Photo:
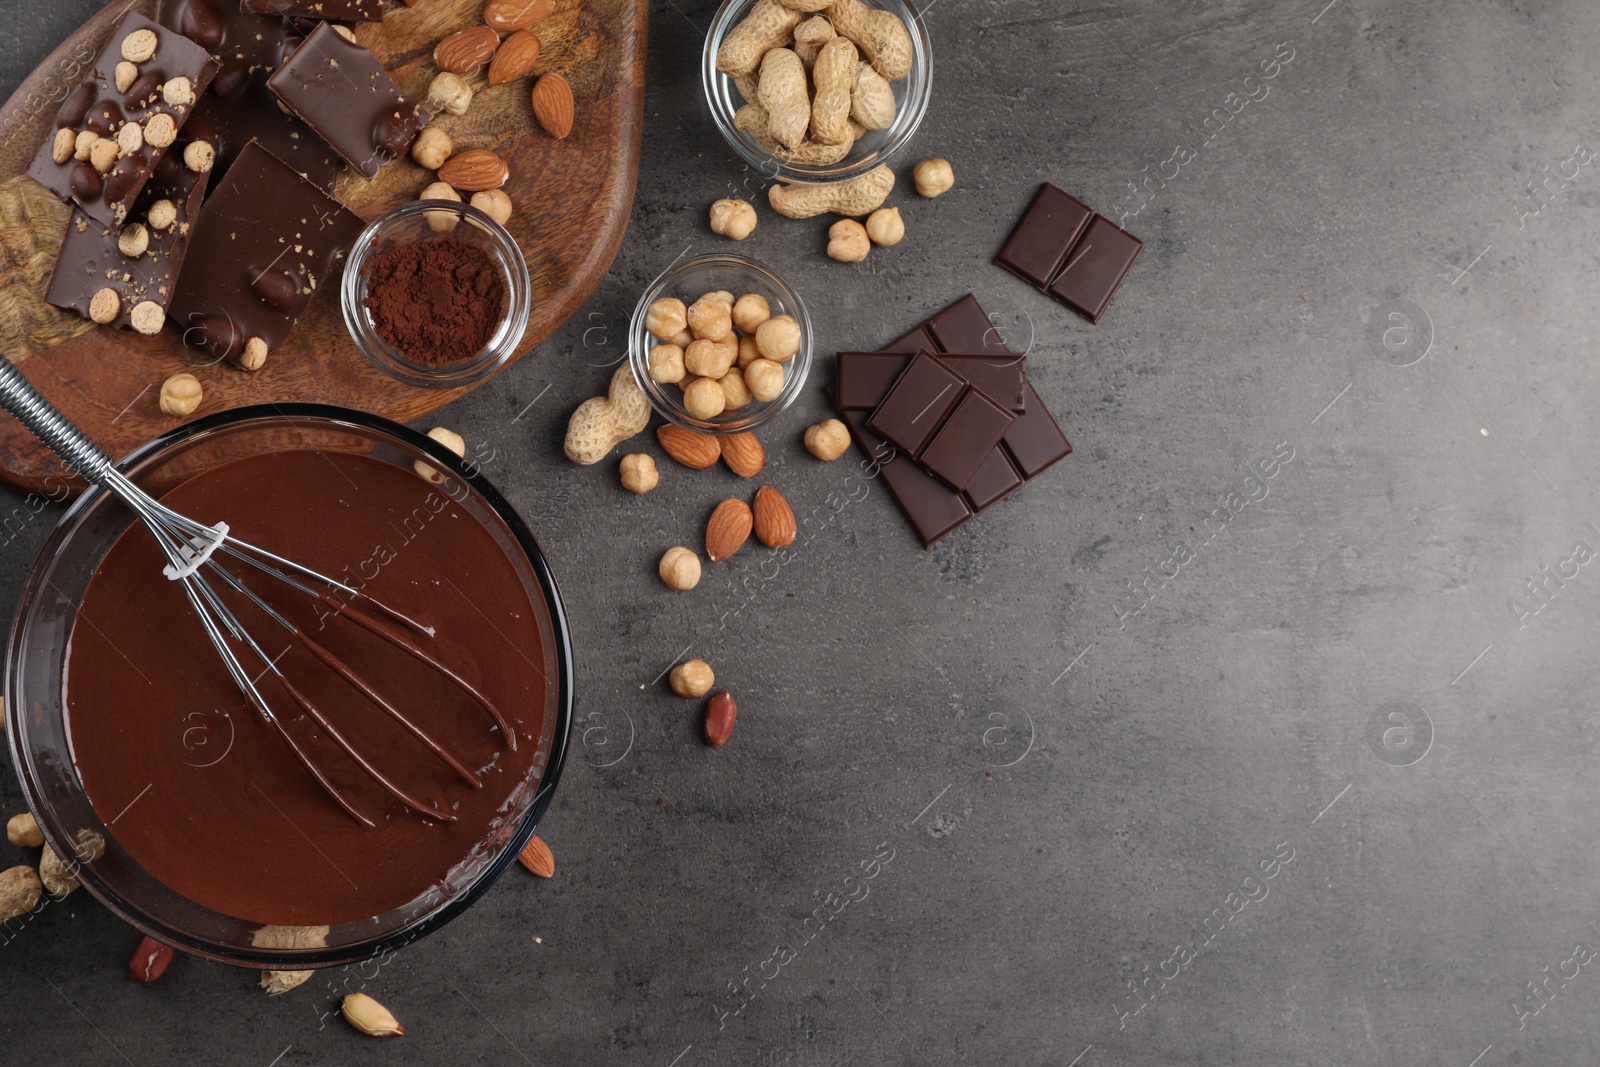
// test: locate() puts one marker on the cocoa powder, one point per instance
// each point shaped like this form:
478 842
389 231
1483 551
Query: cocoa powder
438 300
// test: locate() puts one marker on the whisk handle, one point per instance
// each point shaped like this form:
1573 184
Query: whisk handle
20 398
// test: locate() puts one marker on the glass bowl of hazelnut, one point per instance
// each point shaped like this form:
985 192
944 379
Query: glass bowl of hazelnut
720 343
887 88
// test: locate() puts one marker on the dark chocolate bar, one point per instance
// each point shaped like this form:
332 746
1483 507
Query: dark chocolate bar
126 277
126 111
333 10
917 403
266 240
965 440
1096 267
240 108
918 340
339 89
1032 442
1039 244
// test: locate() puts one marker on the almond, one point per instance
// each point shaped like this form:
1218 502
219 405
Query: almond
720 711
743 454
475 170
774 518
727 529
696 450
466 50
538 858
517 55
553 105
508 15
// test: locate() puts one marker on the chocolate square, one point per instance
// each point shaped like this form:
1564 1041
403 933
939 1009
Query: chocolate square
143 119
964 327
332 10
924 393
969 434
1095 268
865 378
1039 244
91 258
1034 440
266 240
339 89
933 509
994 480
240 108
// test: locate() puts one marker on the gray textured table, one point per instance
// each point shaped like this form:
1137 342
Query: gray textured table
1308 790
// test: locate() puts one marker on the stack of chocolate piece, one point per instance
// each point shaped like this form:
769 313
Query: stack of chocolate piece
199 152
949 415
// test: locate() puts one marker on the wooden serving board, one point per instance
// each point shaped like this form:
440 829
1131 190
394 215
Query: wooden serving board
572 199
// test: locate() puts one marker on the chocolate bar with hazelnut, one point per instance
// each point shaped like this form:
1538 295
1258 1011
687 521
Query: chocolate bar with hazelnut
266 240
125 276
122 117
332 10
339 89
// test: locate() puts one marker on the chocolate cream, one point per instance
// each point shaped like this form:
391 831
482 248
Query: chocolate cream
207 796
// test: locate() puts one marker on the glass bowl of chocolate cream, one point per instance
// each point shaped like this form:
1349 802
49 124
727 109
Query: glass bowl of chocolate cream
177 805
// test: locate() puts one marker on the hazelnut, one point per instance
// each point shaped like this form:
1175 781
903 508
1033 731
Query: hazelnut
827 440
886 227
125 75
765 379
104 306
704 398
133 240
848 241
449 92
130 138
639 474
103 154
933 176
198 156
680 568
778 338
160 130
750 311
161 214
147 317
721 296
666 364
733 218
180 395
710 319
692 678
23 831
139 46
734 389
686 381
494 203
709 359
748 352
61 148
84 141
254 354
683 338
666 318
441 221
431 148
178 92
346 32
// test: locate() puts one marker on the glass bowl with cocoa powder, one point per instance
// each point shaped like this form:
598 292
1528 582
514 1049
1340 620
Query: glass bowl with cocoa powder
437 294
